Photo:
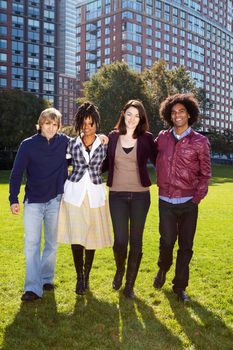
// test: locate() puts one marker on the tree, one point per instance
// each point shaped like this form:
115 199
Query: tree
162 82
181 81
158 81
205 104
221 142
113 85
69 130
19 112
110 88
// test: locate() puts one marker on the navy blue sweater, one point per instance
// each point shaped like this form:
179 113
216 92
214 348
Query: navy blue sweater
45 165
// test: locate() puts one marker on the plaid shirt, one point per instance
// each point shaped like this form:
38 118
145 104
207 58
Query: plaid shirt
79 163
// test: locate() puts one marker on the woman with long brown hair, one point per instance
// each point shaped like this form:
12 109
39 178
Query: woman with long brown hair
130 146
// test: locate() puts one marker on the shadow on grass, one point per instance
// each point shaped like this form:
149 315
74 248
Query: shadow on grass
141 329
204 329
93 324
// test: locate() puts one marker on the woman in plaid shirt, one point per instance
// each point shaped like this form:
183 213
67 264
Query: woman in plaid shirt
84 220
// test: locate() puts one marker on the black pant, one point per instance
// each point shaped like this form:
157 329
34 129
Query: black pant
177 220
128 212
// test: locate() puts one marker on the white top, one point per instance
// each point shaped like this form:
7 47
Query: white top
74 192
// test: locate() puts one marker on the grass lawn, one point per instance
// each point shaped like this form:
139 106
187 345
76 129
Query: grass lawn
104 319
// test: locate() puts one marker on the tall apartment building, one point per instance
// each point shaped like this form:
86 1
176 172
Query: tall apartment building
67 64
196 34
29 47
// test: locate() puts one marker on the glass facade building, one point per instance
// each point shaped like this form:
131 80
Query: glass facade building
196 34
29 47
67 64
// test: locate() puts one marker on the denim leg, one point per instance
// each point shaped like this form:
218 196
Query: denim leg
48 260
186 231
33 218
139 206
168 220
119 209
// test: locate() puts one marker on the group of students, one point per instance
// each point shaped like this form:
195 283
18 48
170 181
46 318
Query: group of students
74 207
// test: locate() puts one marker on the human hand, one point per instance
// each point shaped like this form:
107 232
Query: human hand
15 208
103 139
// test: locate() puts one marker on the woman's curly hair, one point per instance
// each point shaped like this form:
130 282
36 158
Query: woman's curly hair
188 100
86 110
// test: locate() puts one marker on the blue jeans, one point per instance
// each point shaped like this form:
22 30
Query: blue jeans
40 268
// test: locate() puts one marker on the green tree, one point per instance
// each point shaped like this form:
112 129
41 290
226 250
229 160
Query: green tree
69 130
221 142
110 88
205 104
181 81
162 82
19 112
158 82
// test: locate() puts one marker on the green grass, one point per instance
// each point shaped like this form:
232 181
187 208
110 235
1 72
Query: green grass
104 319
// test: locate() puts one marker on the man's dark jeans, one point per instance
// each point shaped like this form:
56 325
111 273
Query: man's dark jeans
128 211
177 220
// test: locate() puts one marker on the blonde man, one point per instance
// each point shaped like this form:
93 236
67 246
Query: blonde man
42 157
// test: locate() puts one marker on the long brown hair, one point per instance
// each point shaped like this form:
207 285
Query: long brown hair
143 124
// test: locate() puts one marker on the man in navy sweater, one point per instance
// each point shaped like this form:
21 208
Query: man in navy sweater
42 156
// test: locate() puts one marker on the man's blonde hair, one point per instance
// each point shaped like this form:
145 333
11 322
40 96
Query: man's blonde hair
49 114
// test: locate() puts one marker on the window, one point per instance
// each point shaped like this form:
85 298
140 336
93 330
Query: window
3 70
17 84
3 44
3 17
33 36
3 82
3 57
3 4
3 30
17 47
138 49
17 73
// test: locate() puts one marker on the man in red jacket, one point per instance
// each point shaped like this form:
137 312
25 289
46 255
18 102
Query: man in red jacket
183 172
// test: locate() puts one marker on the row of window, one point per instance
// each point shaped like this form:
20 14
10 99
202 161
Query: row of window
32 74
165 11
19 4
31 85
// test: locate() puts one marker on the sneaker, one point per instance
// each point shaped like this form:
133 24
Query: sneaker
30 296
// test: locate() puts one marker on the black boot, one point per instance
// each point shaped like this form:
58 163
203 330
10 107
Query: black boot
120 259
159 279
134 261
77 251
89 256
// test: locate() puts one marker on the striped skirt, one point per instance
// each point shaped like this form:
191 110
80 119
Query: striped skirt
90 227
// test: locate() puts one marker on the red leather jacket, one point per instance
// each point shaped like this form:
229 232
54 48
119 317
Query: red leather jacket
183 168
